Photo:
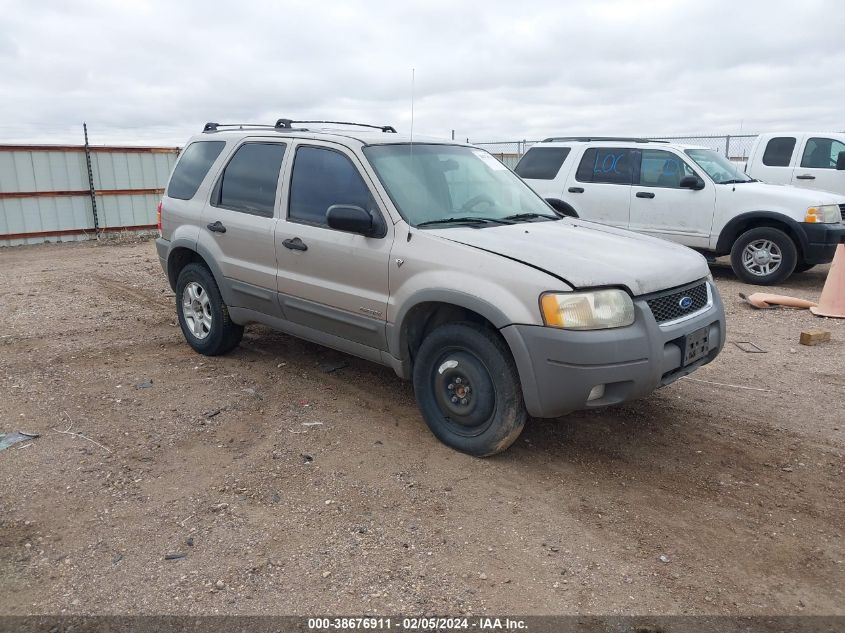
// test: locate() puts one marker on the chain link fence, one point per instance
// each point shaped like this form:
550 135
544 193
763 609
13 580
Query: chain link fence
734 146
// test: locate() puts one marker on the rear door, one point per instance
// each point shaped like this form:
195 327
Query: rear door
600 188
817 167
659 206
239 223
778 160
328 280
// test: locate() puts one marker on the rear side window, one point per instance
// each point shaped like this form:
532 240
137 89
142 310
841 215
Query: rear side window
192 168
779 151
542 163
322 178
821 153
614 165
249 182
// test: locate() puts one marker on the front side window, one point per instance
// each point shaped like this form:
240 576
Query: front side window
779 151
542 163
613 165
192 167
323 178
249 182
719 168
821 153
659 168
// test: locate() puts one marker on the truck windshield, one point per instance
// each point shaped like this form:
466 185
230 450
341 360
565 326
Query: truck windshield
719 168
438 185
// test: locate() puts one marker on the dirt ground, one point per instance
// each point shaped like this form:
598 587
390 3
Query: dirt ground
296 480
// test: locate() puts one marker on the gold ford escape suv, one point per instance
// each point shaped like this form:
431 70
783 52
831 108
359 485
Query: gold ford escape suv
433 258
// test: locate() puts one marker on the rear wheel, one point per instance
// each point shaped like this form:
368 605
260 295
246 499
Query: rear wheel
203 316
764 256
468 389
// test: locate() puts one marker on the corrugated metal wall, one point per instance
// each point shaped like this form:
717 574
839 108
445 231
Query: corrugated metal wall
45 194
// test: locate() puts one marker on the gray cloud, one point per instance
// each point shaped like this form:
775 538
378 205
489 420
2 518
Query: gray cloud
154 71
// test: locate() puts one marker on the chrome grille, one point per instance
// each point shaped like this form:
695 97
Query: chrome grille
668 307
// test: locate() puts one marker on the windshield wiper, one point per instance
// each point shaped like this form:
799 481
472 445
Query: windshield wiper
469 219
529 216
735 181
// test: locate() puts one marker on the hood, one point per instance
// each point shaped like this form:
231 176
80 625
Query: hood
787 194
585 254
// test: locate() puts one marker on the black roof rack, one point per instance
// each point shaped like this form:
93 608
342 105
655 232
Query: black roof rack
287 125
590 139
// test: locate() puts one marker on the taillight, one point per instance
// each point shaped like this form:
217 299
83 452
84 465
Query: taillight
158 218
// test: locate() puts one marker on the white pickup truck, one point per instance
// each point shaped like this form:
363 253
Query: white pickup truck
690 195
811 160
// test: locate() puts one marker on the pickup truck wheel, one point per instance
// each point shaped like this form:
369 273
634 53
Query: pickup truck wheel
763 256
203 316
468 389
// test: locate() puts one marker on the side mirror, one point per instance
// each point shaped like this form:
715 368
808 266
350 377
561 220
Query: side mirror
840 161
691 182
351 219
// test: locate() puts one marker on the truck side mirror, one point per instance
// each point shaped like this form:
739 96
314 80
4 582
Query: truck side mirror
692 182
350 219
840 161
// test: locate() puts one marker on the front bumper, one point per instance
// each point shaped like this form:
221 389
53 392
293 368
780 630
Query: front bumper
559 368
821 241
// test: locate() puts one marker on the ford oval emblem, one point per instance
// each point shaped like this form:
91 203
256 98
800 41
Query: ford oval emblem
685 303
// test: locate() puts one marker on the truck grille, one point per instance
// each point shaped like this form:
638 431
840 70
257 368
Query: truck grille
668 307
842 211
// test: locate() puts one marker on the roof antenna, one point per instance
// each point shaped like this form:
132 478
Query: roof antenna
413 70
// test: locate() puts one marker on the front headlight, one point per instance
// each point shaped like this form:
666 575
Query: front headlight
596 310
824 213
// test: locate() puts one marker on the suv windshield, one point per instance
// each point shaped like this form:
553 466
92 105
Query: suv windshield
442 184
719 168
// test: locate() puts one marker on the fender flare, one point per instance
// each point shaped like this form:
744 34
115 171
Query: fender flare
196 247
738 225
397 341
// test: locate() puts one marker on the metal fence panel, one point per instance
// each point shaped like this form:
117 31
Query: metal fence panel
45 193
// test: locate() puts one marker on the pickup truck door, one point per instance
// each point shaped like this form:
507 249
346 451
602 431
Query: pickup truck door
659 206
774 159
330 281
600 188
816 168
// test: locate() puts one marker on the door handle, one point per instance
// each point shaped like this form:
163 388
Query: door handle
576 190
295 244
805 177
645 194
217 227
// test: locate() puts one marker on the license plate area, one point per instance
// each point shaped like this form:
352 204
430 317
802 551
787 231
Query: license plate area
696 345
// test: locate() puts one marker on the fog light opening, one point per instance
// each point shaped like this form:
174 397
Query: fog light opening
596 393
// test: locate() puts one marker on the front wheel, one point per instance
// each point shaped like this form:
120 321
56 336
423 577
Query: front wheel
468 389
764 256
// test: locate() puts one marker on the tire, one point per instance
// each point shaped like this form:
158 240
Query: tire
763 256
203 316
484 419
803 267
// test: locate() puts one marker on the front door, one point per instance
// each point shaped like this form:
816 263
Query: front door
659 206
328 280
817 168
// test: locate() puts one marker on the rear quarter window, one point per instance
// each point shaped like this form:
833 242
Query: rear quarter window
542 163
779 151
192 167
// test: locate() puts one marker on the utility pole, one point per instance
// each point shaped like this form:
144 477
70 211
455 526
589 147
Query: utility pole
91 189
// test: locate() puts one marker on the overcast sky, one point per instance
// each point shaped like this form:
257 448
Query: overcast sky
148 72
